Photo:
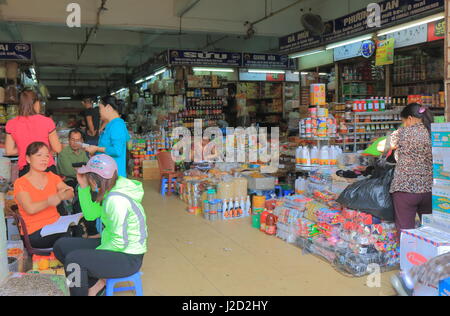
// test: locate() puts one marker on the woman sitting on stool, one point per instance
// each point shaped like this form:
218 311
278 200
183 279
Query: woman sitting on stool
120 251
38 194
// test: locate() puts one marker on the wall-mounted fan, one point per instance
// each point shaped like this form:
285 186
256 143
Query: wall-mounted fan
313 23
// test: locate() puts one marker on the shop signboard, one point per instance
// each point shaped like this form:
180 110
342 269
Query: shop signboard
248 76
16 51
347 51
266 61
436 30
392 12
202 58
411 36
385 52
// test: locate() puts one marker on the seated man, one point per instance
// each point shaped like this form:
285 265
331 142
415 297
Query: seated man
70 155
74 154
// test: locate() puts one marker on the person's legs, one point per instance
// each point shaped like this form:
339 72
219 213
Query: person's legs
406 206
64 246
98 264
39 242
426 204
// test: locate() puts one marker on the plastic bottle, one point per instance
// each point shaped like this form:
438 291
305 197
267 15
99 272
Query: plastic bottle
324 156
225 209
242 207
237 208
271 226
315 156
332 154
300 186
248 206
299 156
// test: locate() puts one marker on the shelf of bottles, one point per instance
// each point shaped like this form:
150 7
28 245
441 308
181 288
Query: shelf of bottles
362 80
361 124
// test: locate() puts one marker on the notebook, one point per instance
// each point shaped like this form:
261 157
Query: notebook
62 225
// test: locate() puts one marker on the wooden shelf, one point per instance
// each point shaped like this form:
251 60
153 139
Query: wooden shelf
429 81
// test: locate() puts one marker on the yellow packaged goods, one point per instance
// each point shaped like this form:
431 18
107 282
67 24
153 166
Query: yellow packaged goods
318 94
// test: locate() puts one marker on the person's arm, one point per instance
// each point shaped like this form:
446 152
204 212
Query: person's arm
32 208
118 141
395 138
102 126
55 144
90 126
91 210
116 210
10 146
65 192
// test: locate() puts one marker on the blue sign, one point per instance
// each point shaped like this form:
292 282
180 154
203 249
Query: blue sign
200 58
392 12
16 51
368 49
266 61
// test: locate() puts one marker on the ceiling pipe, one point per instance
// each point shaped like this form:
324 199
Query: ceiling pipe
92 30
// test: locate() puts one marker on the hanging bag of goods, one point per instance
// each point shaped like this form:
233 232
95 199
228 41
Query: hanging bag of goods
12 70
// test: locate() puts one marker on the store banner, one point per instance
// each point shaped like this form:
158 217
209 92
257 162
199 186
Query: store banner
266 61
16 51
412 36
201 58
348 51
392 12
385 52
436 30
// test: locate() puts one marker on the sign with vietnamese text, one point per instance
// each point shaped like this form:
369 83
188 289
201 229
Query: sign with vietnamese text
436 30
16 51
385 52
200 58
266 61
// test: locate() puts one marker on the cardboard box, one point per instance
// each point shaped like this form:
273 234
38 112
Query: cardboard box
418 246
151 164
441 202
437 223
440 134
151 174
318 94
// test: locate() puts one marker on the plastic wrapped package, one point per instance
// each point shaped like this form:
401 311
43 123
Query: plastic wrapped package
321 247
286 232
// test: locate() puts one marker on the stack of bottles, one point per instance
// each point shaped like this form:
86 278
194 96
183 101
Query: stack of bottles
320 125
221 210
374 104
326 156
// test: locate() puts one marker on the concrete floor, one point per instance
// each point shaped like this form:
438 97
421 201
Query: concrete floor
189 256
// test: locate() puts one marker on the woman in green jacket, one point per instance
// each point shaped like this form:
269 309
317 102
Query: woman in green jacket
120 251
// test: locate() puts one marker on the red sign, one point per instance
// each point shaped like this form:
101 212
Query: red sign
275 77
436 30
416 259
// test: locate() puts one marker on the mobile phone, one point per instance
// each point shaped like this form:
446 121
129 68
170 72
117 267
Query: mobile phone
78 165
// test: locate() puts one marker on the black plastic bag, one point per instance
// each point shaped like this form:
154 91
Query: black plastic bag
372 195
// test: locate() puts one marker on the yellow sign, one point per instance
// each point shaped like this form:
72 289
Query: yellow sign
385 52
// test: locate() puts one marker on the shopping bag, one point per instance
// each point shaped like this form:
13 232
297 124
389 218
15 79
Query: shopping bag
372 195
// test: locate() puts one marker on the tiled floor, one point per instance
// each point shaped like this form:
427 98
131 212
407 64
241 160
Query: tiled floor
189 256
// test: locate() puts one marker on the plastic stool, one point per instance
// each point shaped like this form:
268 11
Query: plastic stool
287 192
165 186
136 279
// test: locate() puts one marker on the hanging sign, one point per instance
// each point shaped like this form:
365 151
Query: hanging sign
392 12
368 49
16 51
411 36
385 52
348 51
200 58
436 30
266 61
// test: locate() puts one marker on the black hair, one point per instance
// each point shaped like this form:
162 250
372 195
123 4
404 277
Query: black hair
88 100
76 131
33 148
421 112
112 101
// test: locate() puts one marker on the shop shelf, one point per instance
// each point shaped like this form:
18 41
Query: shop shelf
373 123
428 81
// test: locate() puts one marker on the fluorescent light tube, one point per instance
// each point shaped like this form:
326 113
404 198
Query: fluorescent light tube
160 72
352 41
65 98
149 77
402 27
307 53
262 71
213 69
139 81
323 74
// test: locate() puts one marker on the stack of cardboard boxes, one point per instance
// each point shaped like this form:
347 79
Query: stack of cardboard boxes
150 170
418 246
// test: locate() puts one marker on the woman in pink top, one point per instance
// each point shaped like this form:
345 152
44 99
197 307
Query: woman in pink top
30 127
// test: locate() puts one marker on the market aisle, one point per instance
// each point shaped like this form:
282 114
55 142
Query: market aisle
189 256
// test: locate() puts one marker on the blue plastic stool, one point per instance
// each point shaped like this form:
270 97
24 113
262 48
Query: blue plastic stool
444 287
164 186
136 279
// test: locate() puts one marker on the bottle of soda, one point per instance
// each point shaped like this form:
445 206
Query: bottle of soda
271 226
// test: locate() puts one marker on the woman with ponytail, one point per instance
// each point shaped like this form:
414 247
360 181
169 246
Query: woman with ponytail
413 181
